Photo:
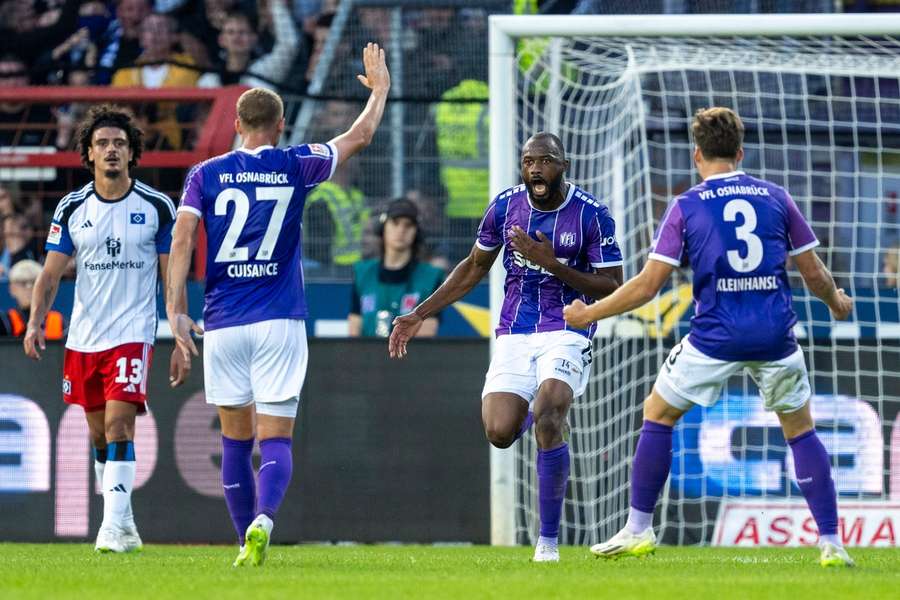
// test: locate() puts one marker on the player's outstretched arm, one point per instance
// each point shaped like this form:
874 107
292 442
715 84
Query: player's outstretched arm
460 282
42 296
818 279
635 292
377 79
176 296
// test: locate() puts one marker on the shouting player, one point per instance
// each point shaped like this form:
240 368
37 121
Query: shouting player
559 244
736 233
254 349
119 230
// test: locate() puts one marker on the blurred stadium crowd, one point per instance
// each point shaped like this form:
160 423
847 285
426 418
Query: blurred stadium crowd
431 149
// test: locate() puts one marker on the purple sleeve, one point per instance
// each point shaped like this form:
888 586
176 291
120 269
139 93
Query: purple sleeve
602 248
668 243
489 238
317 163
192 195
800 235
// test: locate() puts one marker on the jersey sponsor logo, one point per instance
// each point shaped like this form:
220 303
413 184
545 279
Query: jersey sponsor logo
608 241
746 284
116 264
67 386
319 149
367 303
87 224
567 239
523 262
138 218
113 246
55 234
252 270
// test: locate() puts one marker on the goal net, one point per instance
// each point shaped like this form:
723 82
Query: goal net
820 102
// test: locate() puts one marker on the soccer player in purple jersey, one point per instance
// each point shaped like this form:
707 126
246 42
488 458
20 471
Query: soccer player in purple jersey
736 233
559 244
255 352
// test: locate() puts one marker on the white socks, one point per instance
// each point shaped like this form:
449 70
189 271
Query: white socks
638 521
128 520
118 480
548 541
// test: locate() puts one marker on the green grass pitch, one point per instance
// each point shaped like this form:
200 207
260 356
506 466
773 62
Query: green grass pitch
312 571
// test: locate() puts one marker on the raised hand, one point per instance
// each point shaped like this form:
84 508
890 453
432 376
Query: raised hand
405 328
377 77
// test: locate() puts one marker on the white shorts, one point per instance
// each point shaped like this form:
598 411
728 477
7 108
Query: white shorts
523 361
690 377
263 362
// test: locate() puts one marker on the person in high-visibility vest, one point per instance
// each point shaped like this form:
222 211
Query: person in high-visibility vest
14 321
462 140
349 213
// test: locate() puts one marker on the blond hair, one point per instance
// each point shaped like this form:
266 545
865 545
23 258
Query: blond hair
718 132
259 108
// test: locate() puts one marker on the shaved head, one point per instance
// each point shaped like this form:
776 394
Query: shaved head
549 141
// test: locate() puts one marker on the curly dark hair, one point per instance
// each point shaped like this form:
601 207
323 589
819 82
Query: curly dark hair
109 115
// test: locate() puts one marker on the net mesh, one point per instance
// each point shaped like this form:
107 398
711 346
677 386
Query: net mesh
822 118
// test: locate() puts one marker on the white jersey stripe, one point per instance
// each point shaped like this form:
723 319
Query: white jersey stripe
68 199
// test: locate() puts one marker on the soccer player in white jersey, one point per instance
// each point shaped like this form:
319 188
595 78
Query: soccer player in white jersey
254 350
119 230
736 232
558 244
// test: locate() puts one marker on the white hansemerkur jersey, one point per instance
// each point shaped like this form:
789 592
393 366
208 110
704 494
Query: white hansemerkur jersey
116 243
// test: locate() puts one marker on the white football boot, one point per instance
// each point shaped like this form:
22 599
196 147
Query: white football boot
544 552
109 539
626 543
834 556
131 539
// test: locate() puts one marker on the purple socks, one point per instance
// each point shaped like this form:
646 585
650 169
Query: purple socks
813 470
274 474
526 425
553 474
238 483
650 468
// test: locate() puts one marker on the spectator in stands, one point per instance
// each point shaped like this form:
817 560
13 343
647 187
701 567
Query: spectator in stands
18 243
397 281
160 65
121 45
239 38
336 211
7 206
27 35
14 320
462 143
21 124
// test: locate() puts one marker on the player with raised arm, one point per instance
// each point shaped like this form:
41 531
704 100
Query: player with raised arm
254 350
558 244
736 232
119 230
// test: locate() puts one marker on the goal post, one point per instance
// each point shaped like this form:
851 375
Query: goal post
820 98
